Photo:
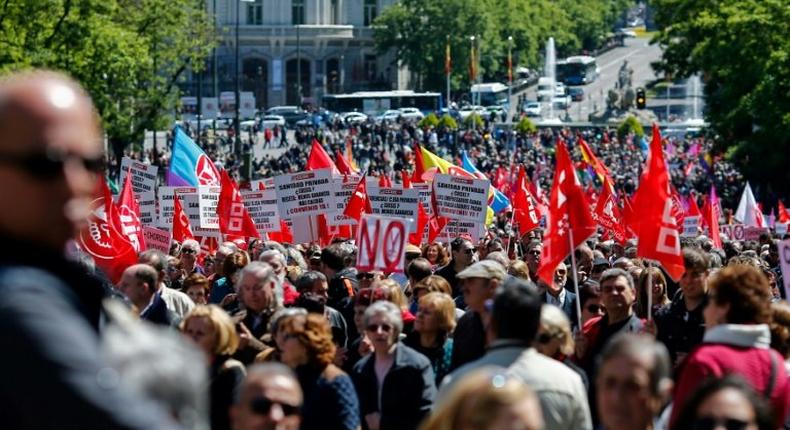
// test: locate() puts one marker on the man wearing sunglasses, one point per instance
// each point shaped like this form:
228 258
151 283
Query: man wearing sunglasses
270 398
463 253
50 308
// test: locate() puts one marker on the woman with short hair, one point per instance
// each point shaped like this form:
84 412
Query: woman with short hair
728 402
432 329
196 286
395 383
212 330
555 338
330 401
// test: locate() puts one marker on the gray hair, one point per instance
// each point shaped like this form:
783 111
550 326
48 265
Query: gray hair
500 257
296 256
390 312
554 319
283 313
308 279
265 274
615 273
272 254
154 258
191 244
640 345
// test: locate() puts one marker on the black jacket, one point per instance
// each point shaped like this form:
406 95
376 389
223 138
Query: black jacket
680 330
568 306
469 340
408 392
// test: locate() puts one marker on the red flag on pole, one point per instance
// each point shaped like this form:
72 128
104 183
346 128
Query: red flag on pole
129 214
319 159
385 181
284 235
526 213
656 227
607 213
711 218
234 219
343 165
419 167
359 202
569 214
693 209
783 215
404 178
181 228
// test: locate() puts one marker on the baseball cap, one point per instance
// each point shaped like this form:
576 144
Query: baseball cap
487 269
600 262
411 250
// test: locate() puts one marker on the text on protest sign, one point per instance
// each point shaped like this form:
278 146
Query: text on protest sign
305 193
156 239
166 206
147 203
262 206
208 199
455 228
425 190
690 225
461 198
143 175
342 189
382 243
394 202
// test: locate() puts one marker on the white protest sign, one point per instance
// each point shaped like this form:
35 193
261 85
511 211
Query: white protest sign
266 182
395 202
425 190
382 243
781 229
262 206
192 209
166 207
143 175
690 224
342 189
156 239
305 229
455 228
461 198
147 203
208 199
784 262
305 193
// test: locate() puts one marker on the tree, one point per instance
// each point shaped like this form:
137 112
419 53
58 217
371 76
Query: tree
628 126
741 50
526 127
128 54
430 120
449 122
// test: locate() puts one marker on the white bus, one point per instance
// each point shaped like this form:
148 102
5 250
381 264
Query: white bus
491 94
577 70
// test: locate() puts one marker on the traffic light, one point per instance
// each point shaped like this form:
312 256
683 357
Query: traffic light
641 99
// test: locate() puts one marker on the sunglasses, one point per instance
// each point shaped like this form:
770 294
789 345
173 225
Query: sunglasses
386 328
711 423
594 309
188 251
468 251
263 405
48 165
365 275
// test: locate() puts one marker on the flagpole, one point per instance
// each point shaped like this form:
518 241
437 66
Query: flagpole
447 71
575 279
514 234
649 294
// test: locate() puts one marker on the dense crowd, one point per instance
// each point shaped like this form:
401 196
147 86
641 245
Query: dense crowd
264 334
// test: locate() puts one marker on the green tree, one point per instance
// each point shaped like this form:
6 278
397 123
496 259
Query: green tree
742 51
526 127
628 126
430 120
128 54
449 122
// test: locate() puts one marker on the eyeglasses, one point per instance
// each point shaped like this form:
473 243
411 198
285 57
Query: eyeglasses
594 309
48 165
468 251
365 275
386 328
263 405
188 251
711 423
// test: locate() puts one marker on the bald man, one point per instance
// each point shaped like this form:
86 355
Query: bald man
53 373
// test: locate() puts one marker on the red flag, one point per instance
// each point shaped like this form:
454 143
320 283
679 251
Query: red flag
526 213
319 159
693 209
325 232
234 219
359 202
711 218
385 181
783 215
656 227
129 214
342 164
422 220
537 192
569 213
181 228
628 217
404 177
607 213
591 160
419 167
103 240
284 235
435 226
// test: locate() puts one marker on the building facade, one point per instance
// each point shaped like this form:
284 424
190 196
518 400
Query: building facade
328 42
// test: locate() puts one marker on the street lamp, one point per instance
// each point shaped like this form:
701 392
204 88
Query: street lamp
473 66
237 125
298 64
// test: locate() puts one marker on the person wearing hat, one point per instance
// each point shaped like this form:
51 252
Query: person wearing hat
599 265
402 278
478 284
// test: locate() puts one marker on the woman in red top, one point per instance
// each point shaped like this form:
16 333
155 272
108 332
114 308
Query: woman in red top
737 341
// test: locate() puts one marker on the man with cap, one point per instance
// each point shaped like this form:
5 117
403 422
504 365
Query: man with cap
599 265
478 284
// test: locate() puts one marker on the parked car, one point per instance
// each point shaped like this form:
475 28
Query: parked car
495 112
354 117
467 110
270 121
561 102
410 113
546 88
291 114
559 89
532 109
576 93
391 115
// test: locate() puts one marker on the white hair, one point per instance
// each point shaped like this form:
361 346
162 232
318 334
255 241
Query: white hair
191 244
265 274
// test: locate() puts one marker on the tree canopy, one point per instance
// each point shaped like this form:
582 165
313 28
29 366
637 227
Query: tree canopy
129 54
742 51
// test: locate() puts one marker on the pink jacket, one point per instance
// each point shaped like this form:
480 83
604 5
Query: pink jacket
740 349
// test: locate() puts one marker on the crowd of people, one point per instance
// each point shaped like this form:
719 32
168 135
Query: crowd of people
263 334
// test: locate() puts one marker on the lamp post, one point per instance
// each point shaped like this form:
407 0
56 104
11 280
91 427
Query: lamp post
237 125
509 73
473 64
299 63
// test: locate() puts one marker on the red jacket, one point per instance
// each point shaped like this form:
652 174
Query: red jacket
728 349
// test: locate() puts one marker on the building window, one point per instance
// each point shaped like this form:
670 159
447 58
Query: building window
297 12
255 13
370 67
371 11
333 14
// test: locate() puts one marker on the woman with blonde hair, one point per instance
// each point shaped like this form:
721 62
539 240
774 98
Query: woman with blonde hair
432 329
330 401
659 291
436 254
487 399
212 330
555 338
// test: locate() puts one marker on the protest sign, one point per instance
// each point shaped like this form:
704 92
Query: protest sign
425 190
143 175
461 198
342 189
305 193
395 202
784 261
208 198
753 233
147 202
166 204
156 239
690 225
455 228
262 207
382 243
262 184
781 229
305 229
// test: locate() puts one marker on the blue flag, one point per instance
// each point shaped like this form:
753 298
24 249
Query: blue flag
189 165
499 201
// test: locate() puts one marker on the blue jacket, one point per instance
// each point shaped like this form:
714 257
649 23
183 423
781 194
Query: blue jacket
408 392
